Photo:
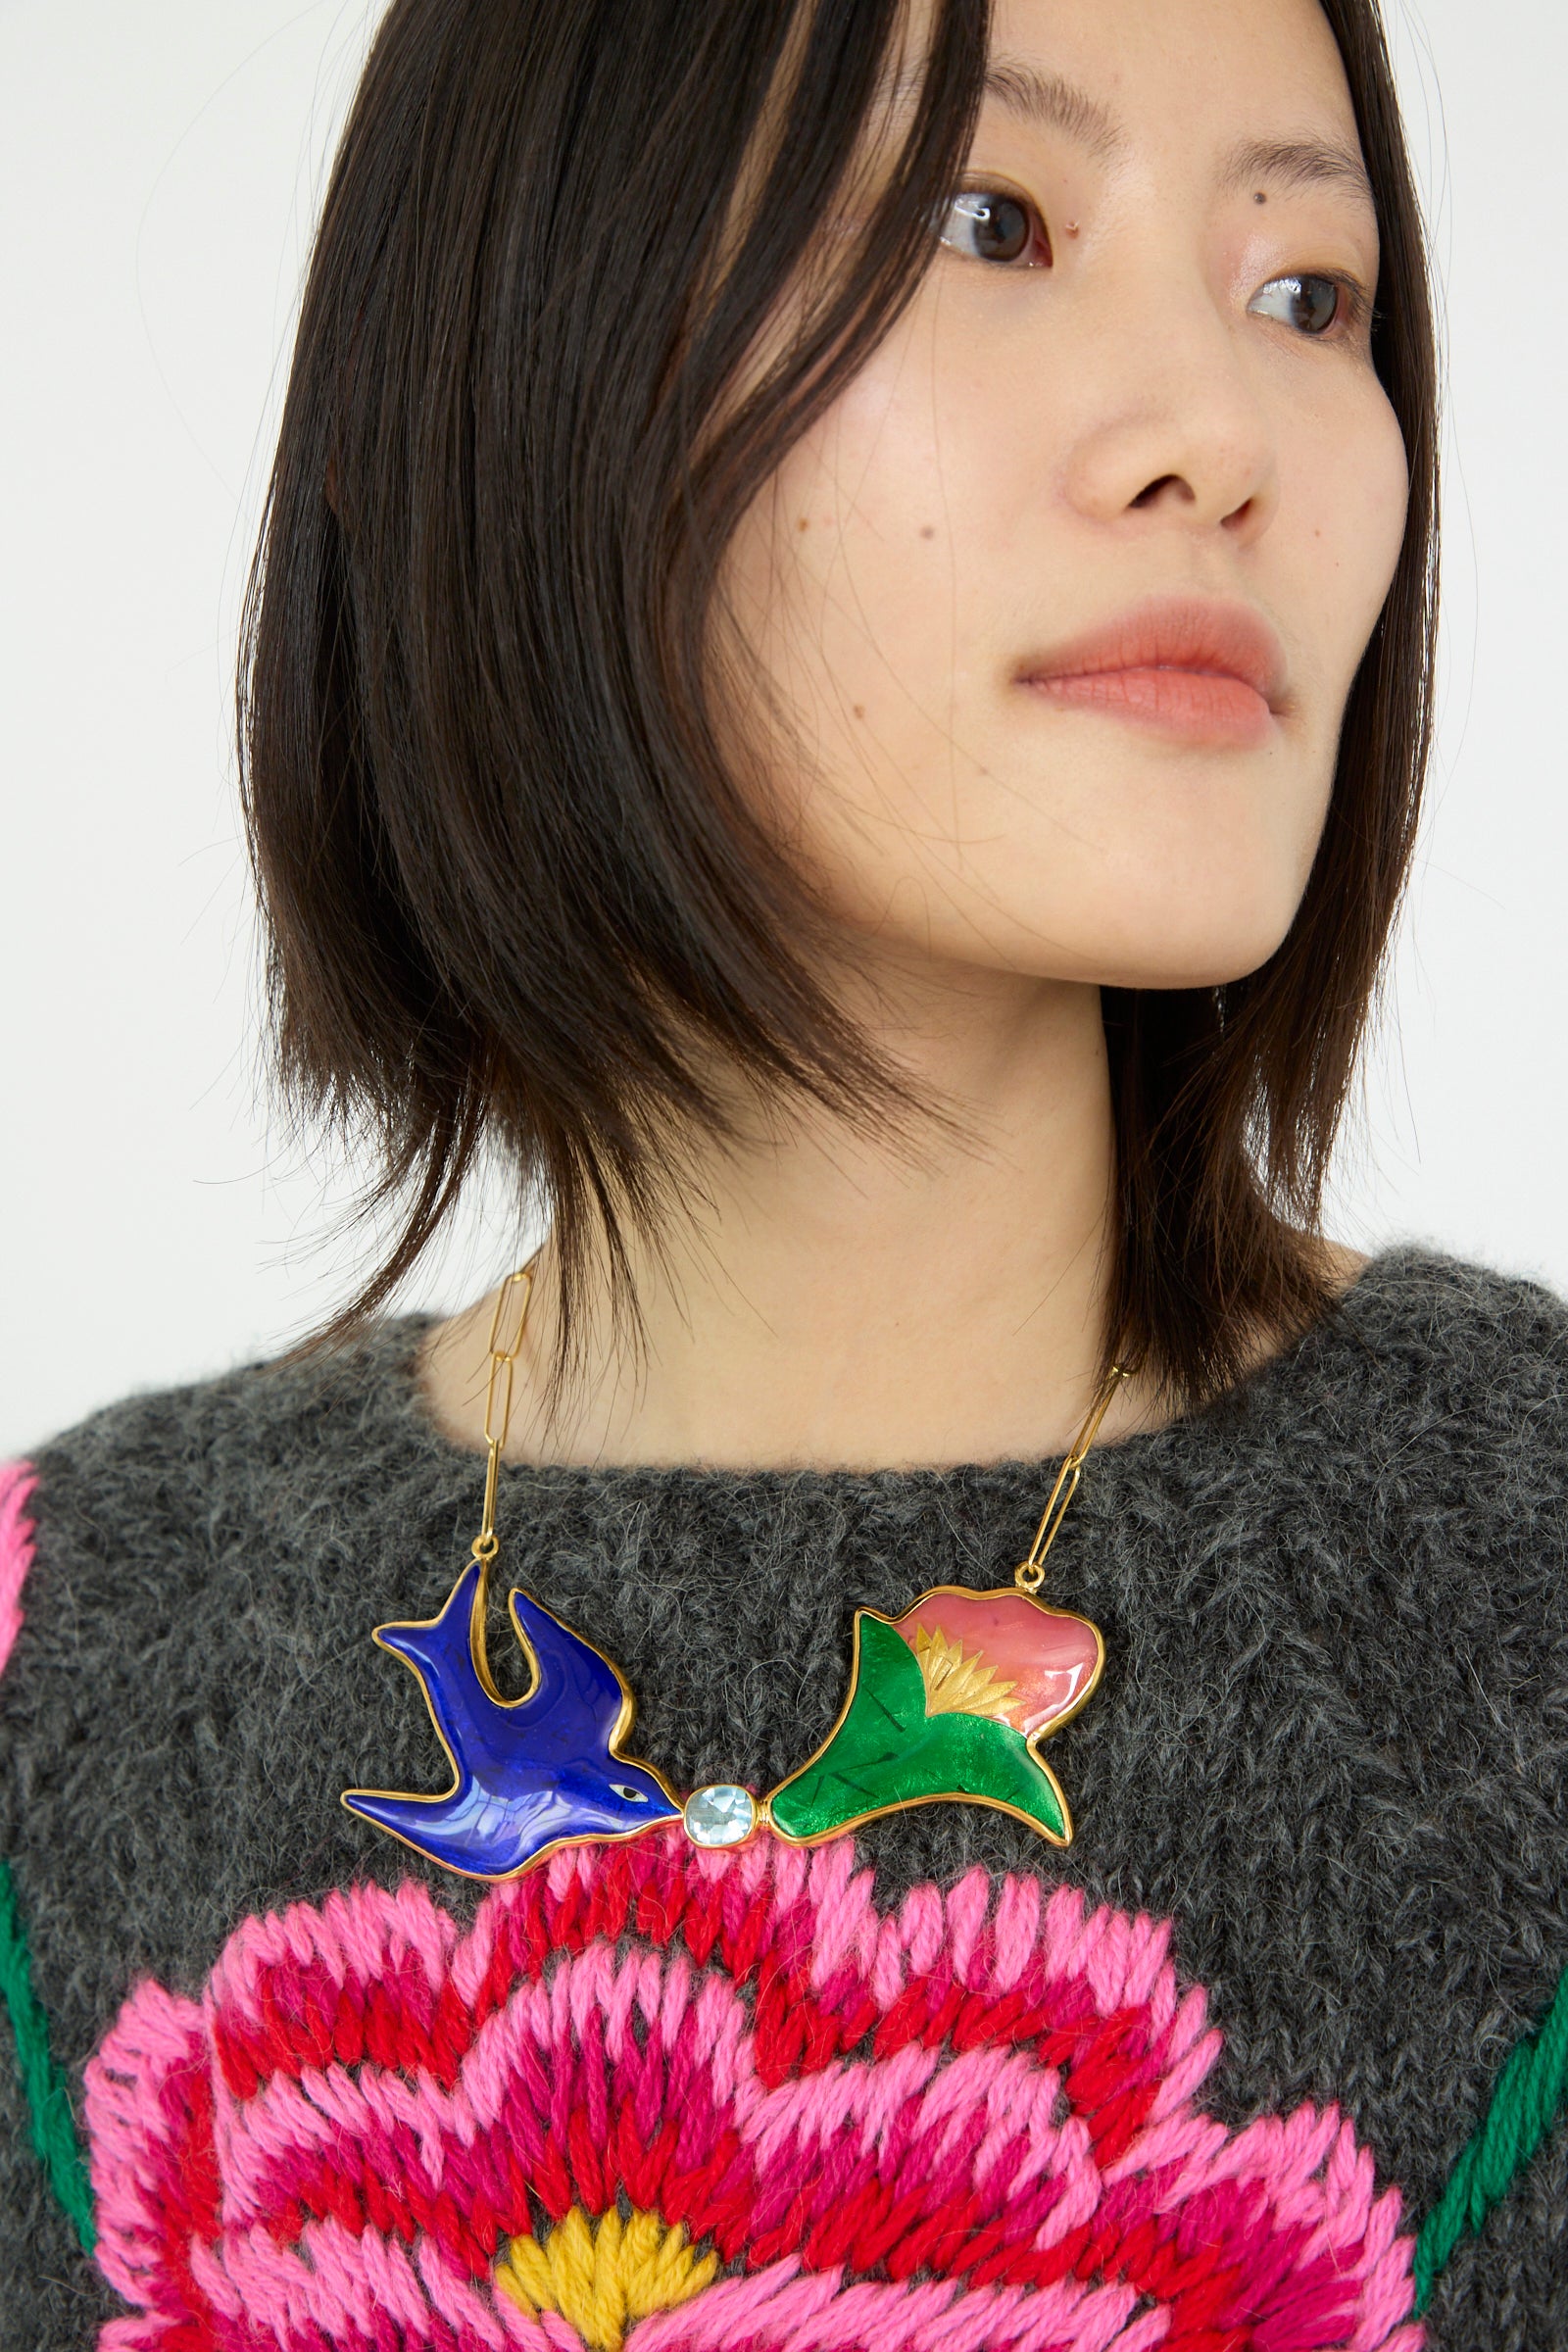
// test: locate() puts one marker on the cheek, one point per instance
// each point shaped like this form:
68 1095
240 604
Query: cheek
1351 490
874 511
859 581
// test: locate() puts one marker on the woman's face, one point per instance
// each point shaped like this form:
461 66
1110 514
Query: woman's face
1129 428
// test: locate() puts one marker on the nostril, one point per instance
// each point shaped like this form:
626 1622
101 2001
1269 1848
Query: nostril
1152 490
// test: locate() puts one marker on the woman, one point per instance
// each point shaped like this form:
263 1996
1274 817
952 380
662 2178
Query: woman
839 672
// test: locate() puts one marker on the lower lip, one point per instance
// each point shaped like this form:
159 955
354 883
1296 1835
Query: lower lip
1204 706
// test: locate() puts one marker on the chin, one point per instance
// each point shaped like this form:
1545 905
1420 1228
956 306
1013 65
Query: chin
1210 905
1165 937
1149 883
1193 955
1184 913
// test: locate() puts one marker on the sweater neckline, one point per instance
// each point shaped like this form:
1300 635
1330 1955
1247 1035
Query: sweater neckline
398 1370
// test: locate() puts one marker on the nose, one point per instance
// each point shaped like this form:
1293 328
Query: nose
1173 429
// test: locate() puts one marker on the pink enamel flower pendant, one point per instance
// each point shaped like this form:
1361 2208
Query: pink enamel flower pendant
949 1702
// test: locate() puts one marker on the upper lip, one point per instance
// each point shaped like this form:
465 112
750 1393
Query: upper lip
1174 632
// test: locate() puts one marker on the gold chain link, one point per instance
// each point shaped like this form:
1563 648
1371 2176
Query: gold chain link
1029 1575
511 1317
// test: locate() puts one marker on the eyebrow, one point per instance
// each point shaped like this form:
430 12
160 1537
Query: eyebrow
1299 163
1048 101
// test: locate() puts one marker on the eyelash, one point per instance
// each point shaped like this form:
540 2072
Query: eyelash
1353 315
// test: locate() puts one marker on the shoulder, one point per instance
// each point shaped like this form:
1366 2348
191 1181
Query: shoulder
281 1401
1413 1457
192 1578
143 1466
1435 1397
1453 1314
148 1524
178 1573
1432 1350
1397 1477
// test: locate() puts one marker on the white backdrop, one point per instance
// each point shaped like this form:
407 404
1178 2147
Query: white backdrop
159 160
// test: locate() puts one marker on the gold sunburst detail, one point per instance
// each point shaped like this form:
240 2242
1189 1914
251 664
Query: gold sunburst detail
603 2275
957 1685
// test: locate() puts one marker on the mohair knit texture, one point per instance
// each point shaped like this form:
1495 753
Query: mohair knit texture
1330 1744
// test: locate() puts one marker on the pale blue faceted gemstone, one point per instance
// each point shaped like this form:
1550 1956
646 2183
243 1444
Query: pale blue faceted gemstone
722 1815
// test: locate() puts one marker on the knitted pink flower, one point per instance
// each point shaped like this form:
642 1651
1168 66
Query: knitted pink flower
715 2102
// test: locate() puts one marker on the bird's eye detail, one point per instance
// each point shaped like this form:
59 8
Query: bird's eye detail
1312 303
633 1796
988 225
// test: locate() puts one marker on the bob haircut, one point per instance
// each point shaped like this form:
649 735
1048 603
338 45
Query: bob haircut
516 899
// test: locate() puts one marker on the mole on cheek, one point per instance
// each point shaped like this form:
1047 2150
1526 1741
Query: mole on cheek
803 524
928 530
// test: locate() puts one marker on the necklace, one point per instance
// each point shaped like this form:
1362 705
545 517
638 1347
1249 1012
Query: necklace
946 1703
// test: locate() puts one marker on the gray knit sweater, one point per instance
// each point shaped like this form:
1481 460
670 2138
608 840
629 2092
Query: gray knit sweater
1321 1864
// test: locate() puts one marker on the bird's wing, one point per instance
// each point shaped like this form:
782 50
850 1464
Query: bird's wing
580 1701
440 1650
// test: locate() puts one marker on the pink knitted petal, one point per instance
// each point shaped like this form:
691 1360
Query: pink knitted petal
753 2312
1144 2333
465 2308
845 1926
147 2108
305 1958
18 1480
1387 2296
781 2309
376 2123
360 2291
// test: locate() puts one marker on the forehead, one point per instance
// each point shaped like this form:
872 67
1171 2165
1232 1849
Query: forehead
1237 88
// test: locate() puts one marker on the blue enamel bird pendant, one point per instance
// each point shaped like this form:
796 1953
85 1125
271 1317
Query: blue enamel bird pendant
531 1773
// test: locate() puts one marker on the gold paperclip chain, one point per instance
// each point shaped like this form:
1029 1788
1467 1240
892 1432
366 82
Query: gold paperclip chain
1029 1575
512 1312
511 1318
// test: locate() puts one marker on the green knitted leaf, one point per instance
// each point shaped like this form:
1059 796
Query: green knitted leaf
53 2126
887 1751
1523 2108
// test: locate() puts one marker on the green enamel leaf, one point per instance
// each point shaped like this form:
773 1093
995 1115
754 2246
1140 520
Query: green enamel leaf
888 1751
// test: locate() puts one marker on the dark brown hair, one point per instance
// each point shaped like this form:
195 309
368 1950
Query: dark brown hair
516 897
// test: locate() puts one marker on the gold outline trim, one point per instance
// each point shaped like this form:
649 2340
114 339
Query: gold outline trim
477 1651
948 1796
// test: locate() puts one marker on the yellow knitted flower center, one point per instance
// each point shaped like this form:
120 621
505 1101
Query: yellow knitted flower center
603 2275
956 1685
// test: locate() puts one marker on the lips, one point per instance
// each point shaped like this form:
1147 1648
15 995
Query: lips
1196 667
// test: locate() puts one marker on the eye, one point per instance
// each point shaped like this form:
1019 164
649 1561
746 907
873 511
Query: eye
991 225
633 1796
1313 303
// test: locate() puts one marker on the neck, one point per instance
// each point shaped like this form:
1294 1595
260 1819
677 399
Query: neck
840 1301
